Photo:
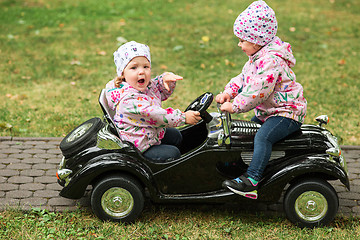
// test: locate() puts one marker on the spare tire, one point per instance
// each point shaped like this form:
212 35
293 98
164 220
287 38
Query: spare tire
83 136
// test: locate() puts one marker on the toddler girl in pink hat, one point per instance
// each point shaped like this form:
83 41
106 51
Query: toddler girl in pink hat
267 84
137 100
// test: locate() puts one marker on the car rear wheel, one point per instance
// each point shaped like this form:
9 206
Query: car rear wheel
311 203
117 198
81 137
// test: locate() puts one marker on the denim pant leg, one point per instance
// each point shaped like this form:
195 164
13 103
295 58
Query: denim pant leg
167 149
272 130
172 137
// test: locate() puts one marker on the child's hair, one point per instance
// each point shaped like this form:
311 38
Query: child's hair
257 47
118 80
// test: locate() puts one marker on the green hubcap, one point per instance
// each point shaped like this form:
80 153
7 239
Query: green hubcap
117 202
311 206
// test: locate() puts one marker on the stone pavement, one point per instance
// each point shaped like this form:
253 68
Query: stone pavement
28 167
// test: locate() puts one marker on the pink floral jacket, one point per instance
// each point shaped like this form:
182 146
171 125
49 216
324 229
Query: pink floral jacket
139 115
267 84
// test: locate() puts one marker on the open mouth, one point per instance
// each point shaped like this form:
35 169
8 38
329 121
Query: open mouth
141 81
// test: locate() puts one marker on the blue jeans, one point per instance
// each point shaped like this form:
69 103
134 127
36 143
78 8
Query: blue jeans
271 131
167 149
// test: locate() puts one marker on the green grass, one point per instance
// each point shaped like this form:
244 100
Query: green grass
167 222
57 55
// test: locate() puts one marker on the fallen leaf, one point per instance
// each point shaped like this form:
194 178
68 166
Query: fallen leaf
228 63
122 22
163 67
292 29
202 66
61 25
16 96
101 53
205 38
342 62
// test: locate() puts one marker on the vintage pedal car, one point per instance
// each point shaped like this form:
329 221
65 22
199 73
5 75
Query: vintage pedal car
215 149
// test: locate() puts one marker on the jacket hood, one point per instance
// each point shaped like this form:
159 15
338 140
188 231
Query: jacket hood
278 48
114 94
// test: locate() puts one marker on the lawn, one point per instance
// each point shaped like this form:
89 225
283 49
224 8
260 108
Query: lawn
56 56
168 222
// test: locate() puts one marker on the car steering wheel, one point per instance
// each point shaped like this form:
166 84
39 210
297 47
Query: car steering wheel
201 104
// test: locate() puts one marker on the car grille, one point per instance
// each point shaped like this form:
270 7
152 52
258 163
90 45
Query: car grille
244 128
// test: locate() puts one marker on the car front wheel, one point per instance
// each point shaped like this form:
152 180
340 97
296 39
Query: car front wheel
117 198
311 203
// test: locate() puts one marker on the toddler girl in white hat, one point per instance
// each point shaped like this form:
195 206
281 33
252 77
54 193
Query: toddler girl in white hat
137 100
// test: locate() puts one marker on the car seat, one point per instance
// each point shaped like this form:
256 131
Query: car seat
108 112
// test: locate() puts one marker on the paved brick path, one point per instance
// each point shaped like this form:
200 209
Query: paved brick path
28 167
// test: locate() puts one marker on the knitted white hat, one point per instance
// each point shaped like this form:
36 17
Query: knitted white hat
257 24
127 52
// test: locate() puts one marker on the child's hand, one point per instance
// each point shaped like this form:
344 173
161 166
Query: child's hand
227 107
192 117
170 77
222 97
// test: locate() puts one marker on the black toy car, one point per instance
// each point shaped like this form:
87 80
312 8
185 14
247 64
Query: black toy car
215 149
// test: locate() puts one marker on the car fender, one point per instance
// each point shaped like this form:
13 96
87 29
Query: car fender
106 164
312 165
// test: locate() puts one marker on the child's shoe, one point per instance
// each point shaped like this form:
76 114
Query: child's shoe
243 185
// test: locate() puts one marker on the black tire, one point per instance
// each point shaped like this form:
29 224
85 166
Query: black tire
117 198
311 203
81 137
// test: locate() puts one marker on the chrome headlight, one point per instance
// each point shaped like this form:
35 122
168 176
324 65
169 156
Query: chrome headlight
62 173
335 151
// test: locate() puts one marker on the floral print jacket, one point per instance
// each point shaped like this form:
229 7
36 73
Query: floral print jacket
267 84
139 115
